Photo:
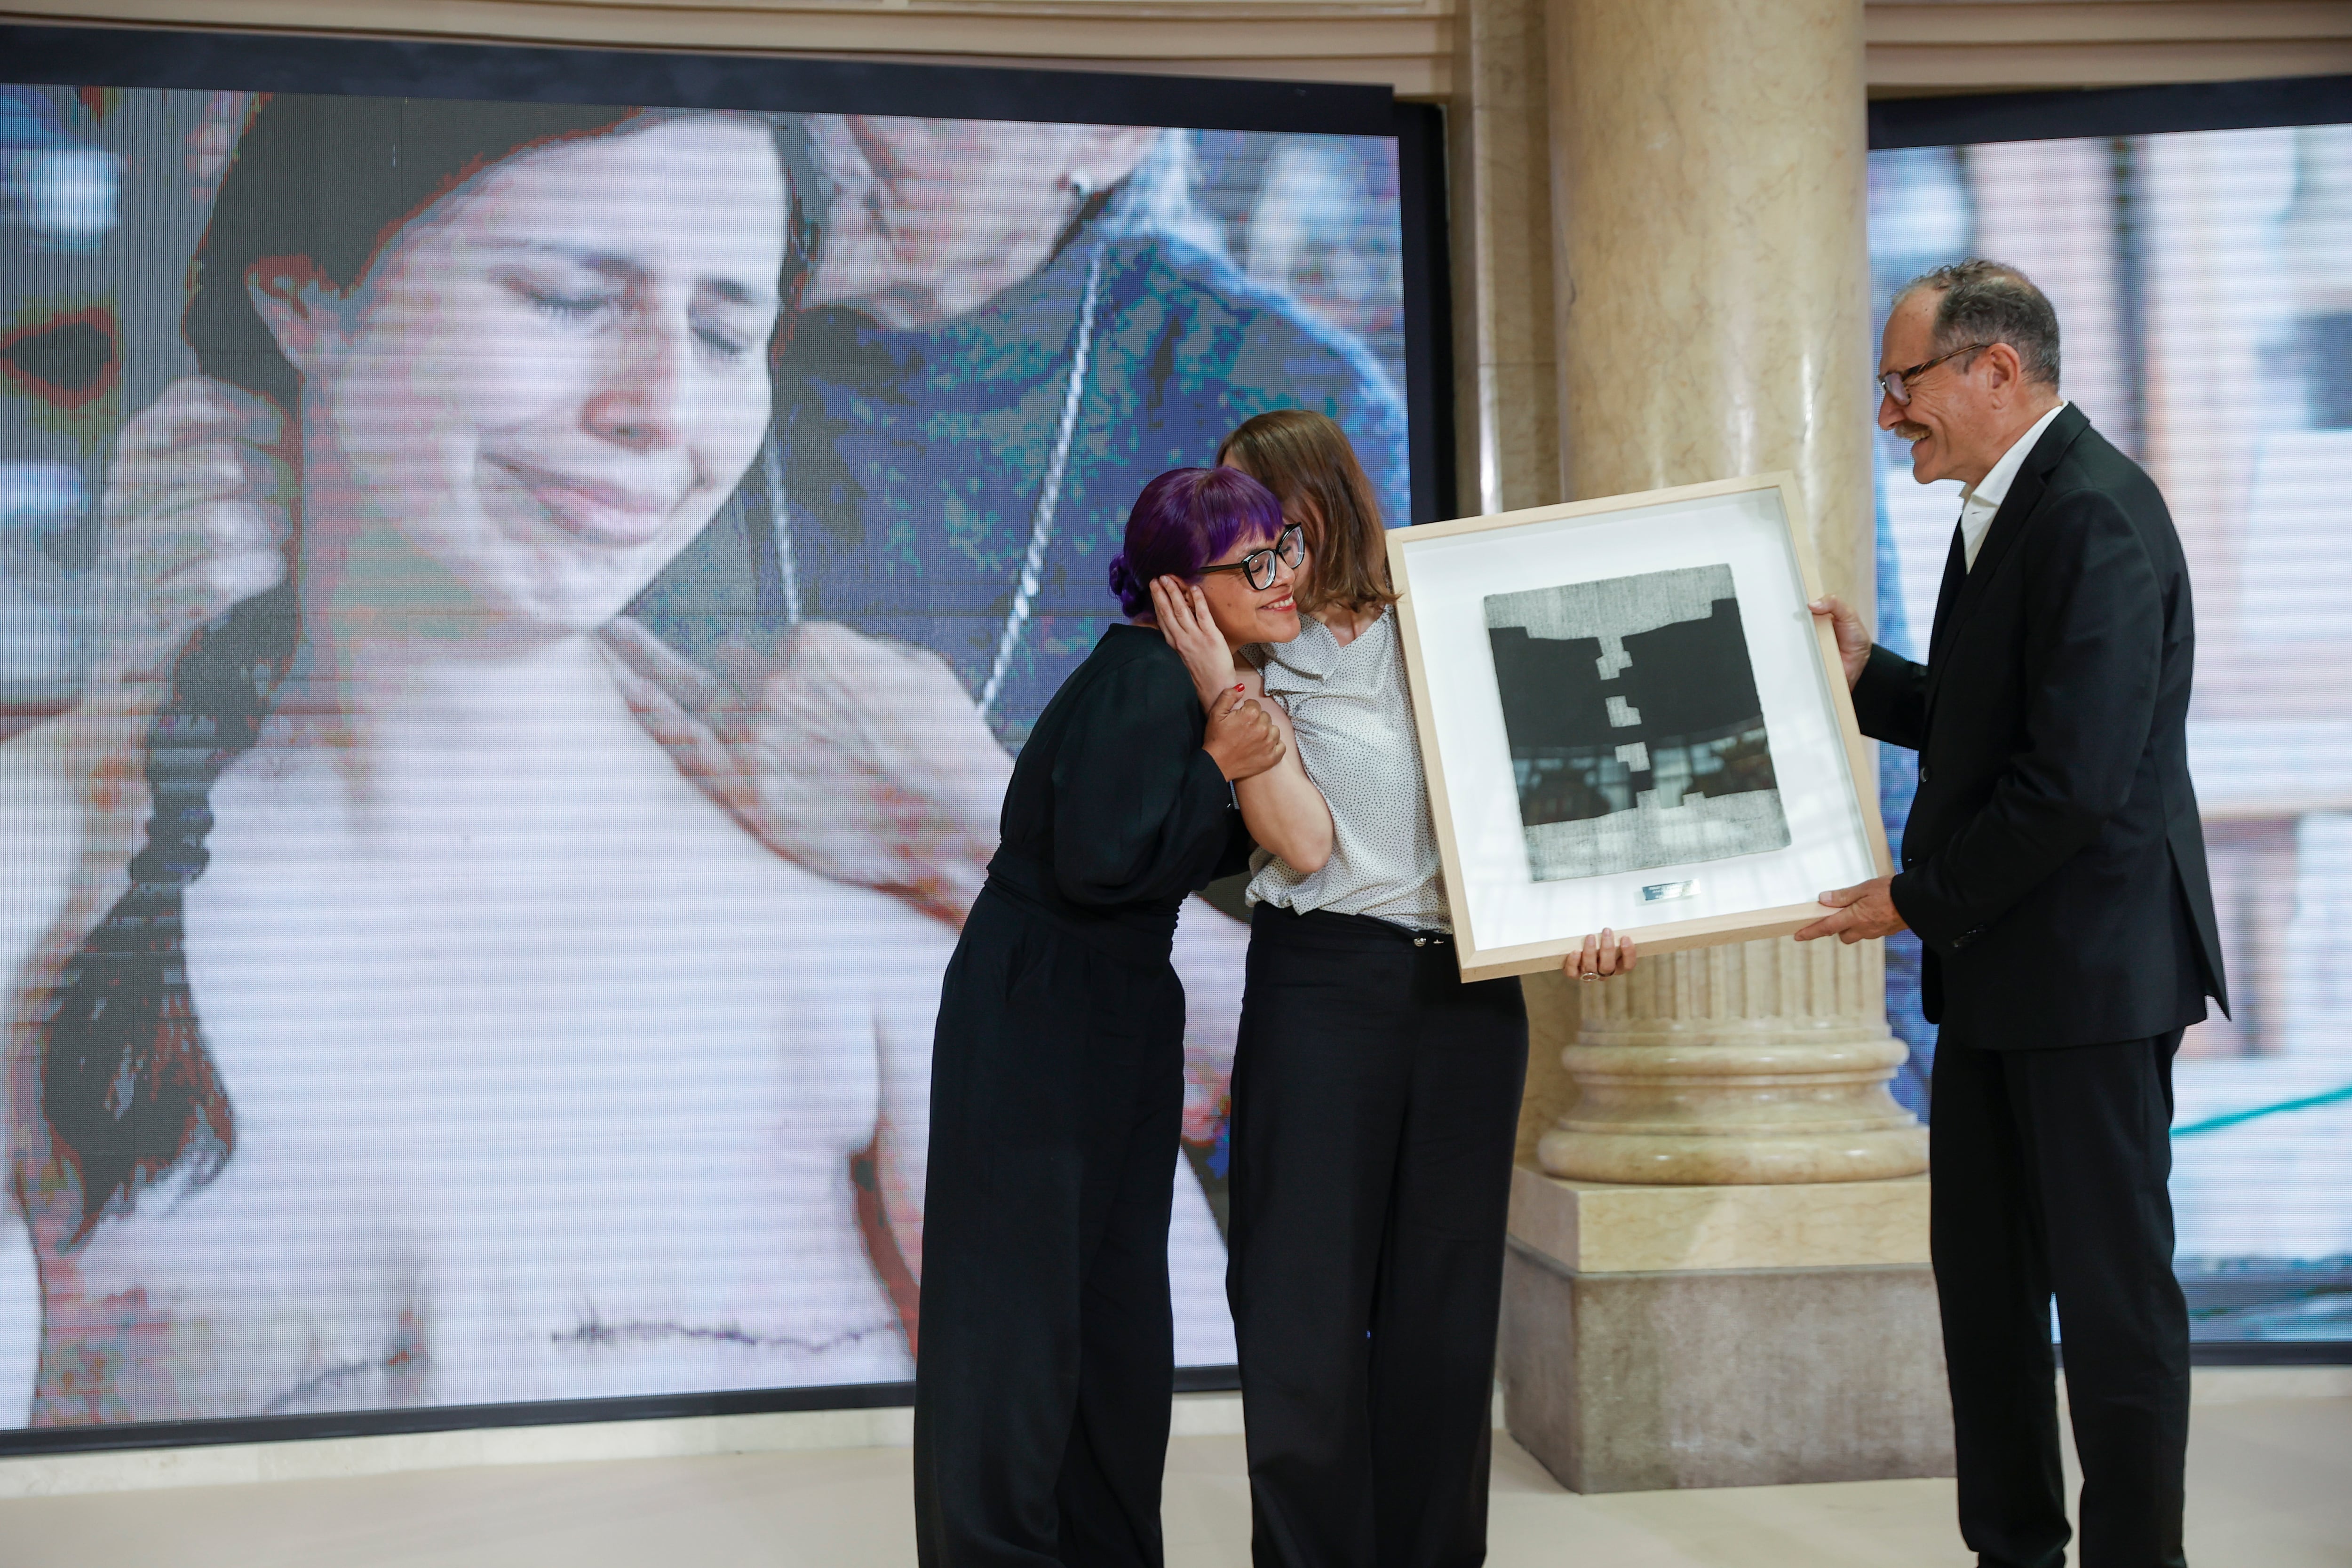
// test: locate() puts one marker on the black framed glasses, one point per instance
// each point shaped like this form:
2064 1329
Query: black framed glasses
1289 547
1898 382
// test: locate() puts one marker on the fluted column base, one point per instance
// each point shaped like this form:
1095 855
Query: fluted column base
1750 1064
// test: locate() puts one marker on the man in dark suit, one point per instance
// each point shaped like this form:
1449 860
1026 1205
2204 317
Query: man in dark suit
2054 869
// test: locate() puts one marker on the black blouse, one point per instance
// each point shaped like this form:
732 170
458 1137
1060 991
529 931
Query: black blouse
1115 813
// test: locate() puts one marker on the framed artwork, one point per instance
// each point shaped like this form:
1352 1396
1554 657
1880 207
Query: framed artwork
1630 719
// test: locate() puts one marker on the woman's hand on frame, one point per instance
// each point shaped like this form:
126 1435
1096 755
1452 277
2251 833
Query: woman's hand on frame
1601 957
1181 612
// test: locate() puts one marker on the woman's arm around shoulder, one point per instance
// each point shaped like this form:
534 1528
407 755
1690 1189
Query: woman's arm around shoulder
1283 809
1280 805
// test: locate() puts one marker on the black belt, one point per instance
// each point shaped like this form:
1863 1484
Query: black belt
1363 927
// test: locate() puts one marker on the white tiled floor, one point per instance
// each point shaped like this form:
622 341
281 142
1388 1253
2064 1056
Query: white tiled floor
2271 1487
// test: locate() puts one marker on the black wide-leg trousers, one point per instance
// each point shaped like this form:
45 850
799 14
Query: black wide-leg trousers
1375 1102
1046 1351
2050 1181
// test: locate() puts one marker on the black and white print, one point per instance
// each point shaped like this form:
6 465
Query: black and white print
1637 738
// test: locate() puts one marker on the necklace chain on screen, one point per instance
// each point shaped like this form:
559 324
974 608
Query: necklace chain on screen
1049 495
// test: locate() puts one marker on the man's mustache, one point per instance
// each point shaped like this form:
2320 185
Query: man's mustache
1907 431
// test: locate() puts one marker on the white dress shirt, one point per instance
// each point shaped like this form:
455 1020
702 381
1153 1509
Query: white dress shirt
1981 501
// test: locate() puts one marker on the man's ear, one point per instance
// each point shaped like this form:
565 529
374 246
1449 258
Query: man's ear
1106 154
307 316
2005 374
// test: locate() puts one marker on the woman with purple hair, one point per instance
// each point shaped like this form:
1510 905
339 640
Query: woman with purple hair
1046 1352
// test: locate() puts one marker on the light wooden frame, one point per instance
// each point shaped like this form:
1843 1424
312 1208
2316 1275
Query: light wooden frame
1479 962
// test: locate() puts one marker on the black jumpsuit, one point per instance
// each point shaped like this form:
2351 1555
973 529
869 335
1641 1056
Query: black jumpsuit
1046 1354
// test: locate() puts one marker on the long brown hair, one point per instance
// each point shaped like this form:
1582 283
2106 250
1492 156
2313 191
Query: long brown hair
1304 457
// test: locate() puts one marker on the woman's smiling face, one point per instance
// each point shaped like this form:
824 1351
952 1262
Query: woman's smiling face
553 379
1247 615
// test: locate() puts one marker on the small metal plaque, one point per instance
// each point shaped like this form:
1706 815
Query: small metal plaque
1659 892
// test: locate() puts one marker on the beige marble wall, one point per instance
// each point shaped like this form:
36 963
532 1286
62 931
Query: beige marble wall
1936 45
1506 377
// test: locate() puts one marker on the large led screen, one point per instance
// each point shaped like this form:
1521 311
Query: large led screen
2204 285
516 620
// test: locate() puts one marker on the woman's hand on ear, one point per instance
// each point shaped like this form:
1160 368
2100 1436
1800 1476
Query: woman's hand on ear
196 516
1181 612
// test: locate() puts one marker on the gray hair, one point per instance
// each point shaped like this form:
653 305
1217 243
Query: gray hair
1993 302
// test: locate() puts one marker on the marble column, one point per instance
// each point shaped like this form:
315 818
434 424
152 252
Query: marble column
1711 274
1505 383
1718 1270
1710 263
1506 380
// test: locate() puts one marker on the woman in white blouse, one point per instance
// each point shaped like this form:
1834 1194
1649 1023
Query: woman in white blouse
1375 1095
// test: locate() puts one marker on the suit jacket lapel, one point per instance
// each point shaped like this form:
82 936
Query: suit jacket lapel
1956 572
2017 508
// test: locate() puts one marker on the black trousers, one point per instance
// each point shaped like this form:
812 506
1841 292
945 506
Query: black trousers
1046 1355
1375 1101
2050 1180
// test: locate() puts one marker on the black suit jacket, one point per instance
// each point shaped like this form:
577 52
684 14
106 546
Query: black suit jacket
2054 865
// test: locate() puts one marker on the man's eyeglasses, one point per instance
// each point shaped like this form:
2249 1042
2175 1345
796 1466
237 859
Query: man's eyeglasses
1289 546
1898 382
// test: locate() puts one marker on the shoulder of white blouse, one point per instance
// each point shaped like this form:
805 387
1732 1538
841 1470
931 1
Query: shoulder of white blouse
1271 656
